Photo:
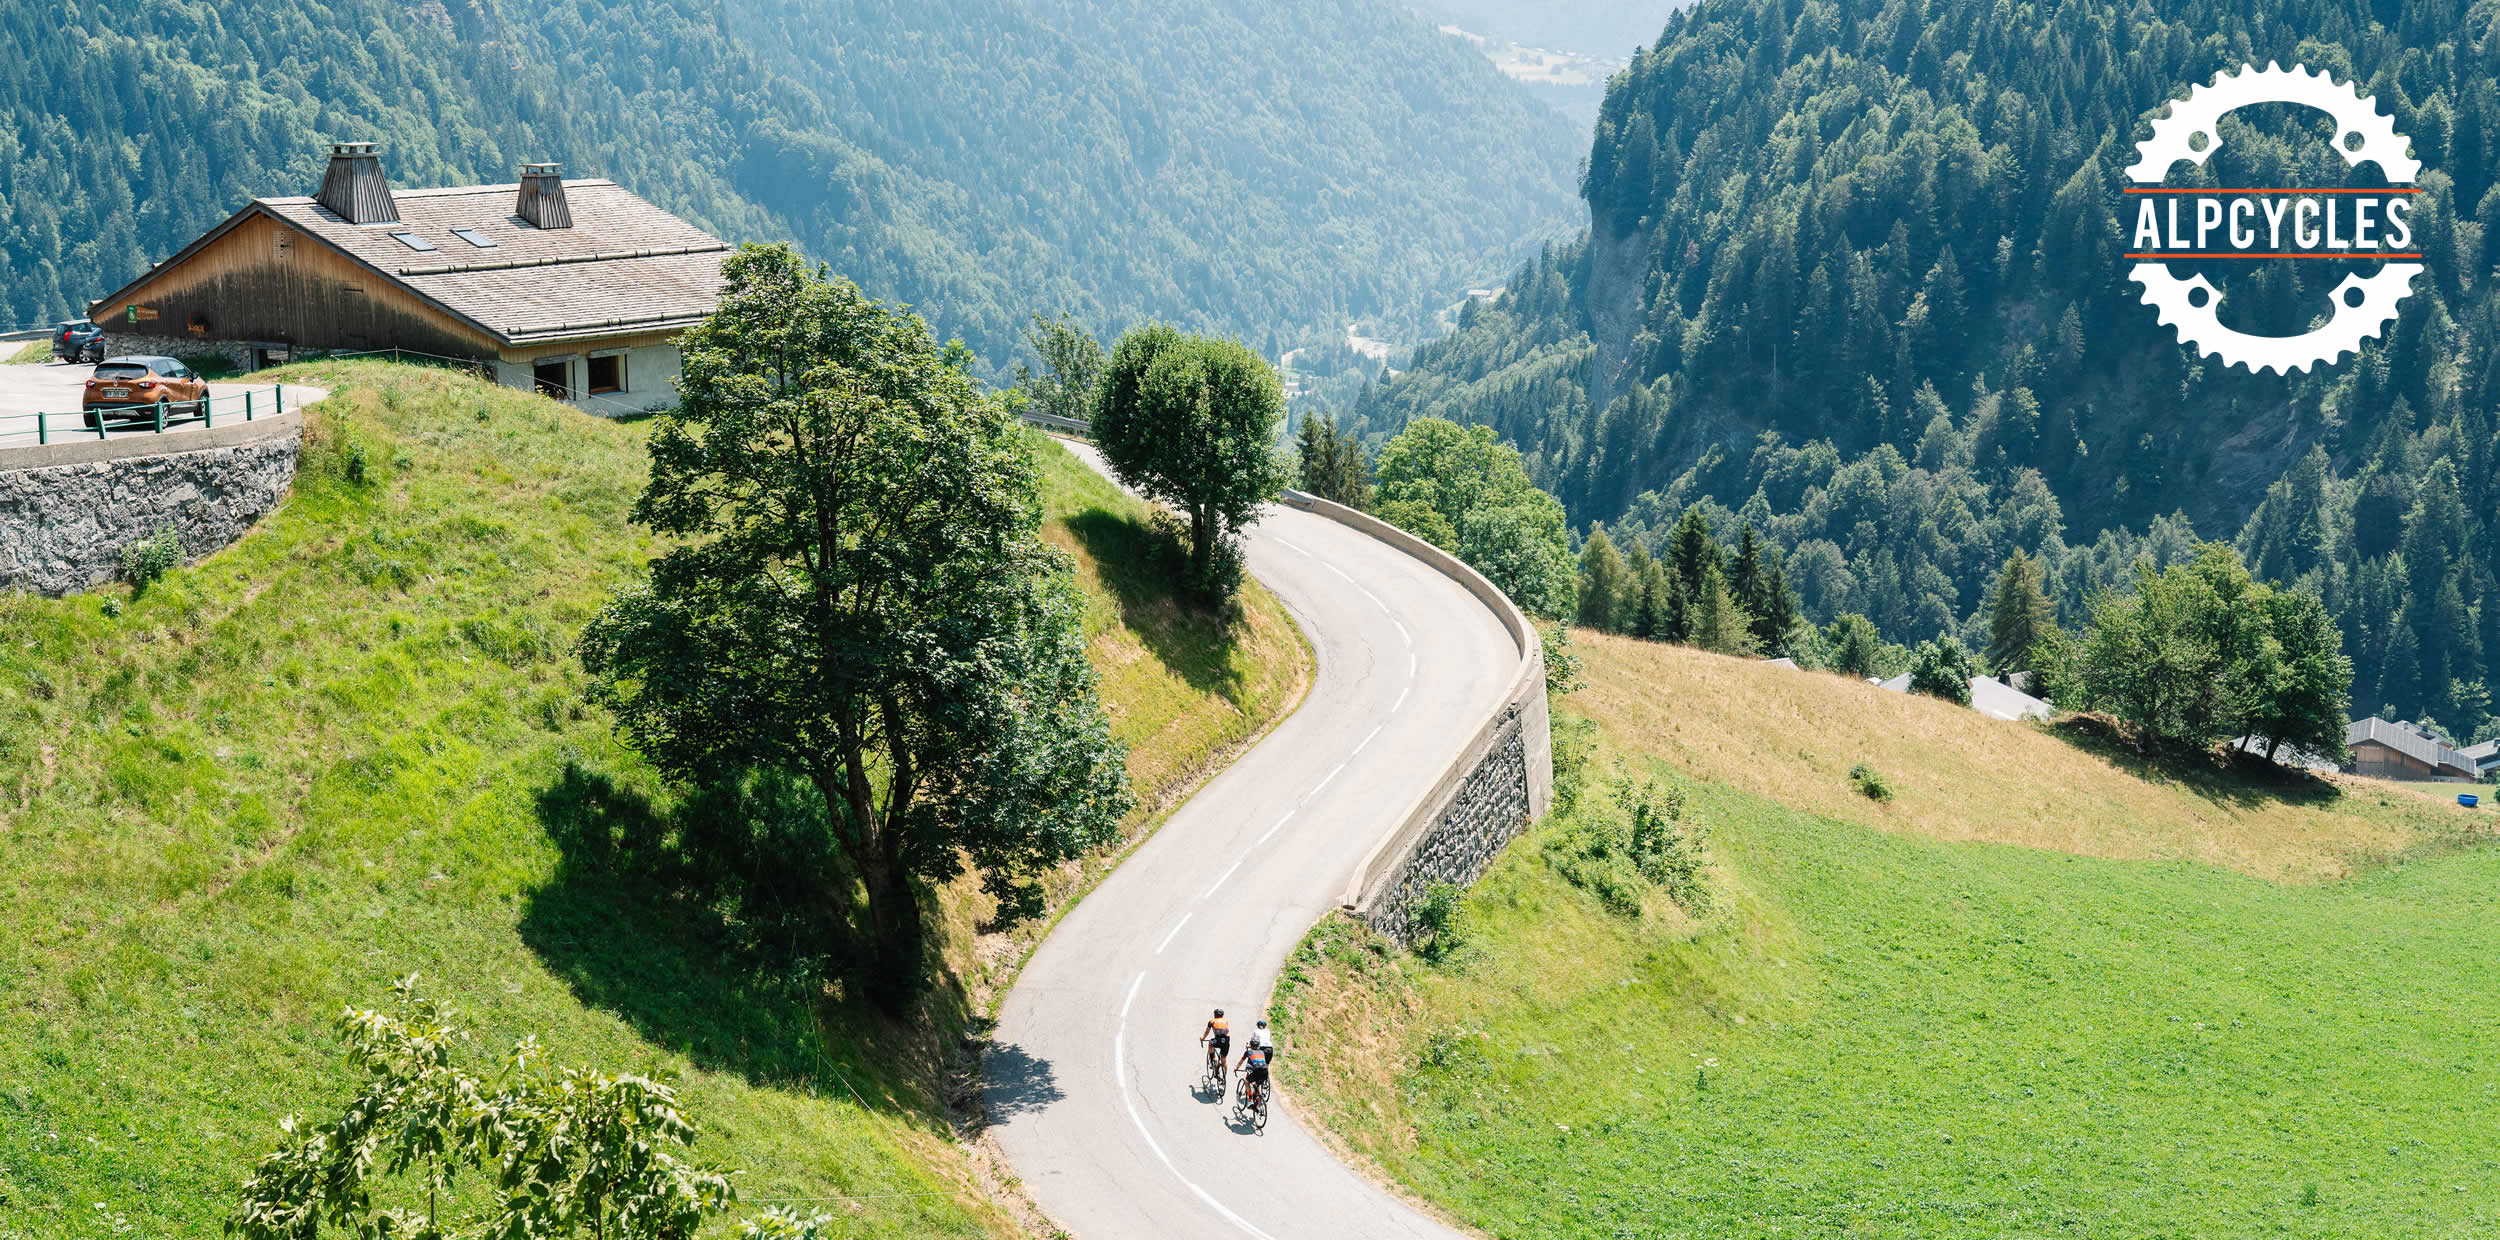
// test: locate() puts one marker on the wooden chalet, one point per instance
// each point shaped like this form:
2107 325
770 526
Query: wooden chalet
577 288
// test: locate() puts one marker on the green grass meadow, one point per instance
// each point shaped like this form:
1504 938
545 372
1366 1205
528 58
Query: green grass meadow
1881 1035
345 750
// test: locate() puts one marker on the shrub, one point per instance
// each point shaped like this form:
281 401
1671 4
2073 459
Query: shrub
1943 669
1634 840
1871 782
1440 923
150 558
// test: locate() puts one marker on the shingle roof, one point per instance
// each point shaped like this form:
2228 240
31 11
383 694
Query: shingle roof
2408 742
624 266
2484 754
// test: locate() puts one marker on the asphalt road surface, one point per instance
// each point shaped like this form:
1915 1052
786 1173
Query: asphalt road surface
57 388
1093 1083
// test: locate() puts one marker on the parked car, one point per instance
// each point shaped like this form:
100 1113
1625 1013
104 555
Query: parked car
140 389
78 341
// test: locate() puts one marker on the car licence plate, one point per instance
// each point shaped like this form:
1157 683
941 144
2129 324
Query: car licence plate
123 393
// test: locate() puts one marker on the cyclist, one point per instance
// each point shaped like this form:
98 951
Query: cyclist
1218 1038
1264 1040
1254 1059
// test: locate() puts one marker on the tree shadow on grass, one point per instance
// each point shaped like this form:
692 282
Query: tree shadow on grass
635 929
1141 565
2229 777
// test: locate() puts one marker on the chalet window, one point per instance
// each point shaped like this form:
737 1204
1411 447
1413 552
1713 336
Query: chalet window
607 373
474 237
412 241
553 379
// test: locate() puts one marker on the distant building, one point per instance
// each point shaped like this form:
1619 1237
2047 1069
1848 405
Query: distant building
576 288
2386 750
2486 756
1989 696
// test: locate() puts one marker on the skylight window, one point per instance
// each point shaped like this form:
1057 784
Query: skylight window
474 237
412 241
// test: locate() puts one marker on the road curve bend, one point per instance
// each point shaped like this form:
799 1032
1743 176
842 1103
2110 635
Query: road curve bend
1091 1084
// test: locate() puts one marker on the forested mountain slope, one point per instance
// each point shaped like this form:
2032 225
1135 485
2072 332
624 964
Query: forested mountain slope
1854 272
1261 173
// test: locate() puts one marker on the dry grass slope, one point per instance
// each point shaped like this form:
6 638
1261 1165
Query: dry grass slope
1792 737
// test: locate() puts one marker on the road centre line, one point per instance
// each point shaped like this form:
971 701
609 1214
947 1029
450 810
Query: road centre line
1366 742
1174 932
1400 704
1280 825
1219 879
1119 1081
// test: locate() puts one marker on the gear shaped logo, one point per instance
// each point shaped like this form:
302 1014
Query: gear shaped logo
2363 305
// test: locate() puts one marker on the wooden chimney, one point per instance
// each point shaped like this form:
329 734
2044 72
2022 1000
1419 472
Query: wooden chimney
542 196
354 186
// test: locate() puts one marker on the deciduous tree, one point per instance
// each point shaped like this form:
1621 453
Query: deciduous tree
1191 422
861 597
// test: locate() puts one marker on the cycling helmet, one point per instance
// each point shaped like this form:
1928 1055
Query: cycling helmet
1220 1012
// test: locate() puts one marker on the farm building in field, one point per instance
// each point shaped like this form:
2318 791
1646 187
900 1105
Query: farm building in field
1990 696
2405 751
577 288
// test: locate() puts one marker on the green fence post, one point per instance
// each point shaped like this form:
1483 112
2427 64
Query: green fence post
208 411
99 424
42 435
160 415
247 404
278 399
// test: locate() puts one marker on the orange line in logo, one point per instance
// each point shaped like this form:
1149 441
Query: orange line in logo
2350 258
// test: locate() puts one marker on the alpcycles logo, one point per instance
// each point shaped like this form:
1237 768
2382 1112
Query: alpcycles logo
2351 225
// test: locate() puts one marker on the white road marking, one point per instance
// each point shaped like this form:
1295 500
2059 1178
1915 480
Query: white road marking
1119 1081
1400 704
1289 546
1280 825
1175 931
1219 879
1366 743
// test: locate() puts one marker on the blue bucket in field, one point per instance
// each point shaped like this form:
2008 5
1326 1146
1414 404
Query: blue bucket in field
2468 800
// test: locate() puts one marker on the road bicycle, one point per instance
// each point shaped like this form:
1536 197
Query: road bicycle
1211 1078
1250 1101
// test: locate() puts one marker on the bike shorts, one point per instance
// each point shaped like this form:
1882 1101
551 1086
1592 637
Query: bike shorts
1222 1042
1258 1074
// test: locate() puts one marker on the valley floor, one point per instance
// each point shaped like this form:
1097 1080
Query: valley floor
2046 990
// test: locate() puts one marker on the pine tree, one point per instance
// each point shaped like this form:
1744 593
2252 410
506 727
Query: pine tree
1653 616
2020 616
1777 618
1690 553
1719 622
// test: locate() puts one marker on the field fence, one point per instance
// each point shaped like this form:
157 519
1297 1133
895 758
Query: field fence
47 426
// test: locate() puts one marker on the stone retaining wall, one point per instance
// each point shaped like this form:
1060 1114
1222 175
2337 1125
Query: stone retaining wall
1502 781
67 510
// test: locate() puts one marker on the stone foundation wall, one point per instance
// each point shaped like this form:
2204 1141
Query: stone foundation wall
1489 809
66 511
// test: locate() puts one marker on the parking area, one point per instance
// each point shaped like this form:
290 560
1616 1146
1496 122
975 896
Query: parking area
56 388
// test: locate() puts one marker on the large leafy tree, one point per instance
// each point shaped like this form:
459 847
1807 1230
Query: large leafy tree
1192 422
1459 489
2203 652
861 597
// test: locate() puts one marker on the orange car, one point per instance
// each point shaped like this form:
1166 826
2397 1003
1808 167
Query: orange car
141 389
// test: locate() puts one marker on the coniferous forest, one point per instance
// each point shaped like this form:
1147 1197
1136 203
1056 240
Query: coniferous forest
1854 276
1271 173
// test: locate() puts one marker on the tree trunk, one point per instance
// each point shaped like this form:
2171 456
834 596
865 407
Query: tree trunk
893 971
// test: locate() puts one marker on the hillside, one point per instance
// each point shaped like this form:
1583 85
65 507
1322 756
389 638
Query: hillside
1274 175
1854 274
353 746
2039 992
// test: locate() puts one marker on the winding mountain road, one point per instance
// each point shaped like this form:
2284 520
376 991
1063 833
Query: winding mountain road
1093 1081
